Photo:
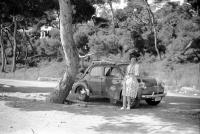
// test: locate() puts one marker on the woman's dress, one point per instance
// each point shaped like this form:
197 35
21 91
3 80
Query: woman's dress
130 83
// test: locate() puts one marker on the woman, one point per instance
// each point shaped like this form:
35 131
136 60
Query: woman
130 84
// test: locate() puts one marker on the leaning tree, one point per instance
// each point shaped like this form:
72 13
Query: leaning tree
85 11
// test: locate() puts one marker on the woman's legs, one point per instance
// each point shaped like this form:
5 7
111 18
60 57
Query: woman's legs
129 102
124 102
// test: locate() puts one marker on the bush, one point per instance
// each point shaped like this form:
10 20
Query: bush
55 34
104 44
81 40
48 46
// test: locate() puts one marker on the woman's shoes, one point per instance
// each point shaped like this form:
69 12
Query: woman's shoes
122 108
128 108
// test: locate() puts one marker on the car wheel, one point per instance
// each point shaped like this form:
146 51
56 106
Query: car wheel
82 93
152 102
135 102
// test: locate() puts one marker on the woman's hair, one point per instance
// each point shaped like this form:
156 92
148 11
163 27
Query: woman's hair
133 60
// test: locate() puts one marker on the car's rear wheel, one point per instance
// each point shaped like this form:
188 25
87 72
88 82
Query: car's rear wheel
135 102
82 93
152 102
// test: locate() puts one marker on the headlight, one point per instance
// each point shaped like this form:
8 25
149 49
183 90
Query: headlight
162 84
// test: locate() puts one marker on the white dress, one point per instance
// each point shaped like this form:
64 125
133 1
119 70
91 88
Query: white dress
130 83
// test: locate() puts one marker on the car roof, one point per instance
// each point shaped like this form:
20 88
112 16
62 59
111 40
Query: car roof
112 63
103 63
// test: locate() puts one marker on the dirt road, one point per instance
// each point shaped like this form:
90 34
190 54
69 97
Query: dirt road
23 110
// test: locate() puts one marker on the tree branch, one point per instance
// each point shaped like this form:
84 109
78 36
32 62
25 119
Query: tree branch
84 56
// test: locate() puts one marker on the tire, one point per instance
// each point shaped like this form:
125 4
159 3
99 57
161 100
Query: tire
135 102
152 102
81 93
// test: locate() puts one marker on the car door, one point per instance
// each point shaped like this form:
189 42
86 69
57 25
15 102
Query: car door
112 84
95 79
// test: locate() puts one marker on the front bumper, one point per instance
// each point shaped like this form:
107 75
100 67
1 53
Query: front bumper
153 96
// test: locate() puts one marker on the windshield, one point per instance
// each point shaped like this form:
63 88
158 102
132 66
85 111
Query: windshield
123 67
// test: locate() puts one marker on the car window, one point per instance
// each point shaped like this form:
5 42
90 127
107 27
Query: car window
123 68
96 71
112 71
115 73
108 71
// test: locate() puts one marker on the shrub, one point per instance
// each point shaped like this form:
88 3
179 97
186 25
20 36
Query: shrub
48 46
55 34
81 40
104 44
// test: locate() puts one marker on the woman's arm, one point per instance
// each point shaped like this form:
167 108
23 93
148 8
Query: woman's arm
137 73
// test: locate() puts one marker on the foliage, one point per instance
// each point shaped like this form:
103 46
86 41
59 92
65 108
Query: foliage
55 34
103 44
83 10
81 40
48 46
32 14
178 27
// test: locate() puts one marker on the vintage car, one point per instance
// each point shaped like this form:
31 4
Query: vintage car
104 78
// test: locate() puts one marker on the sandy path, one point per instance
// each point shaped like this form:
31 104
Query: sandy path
28 113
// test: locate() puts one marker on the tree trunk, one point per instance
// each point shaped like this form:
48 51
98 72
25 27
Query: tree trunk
152 18
24 43
8 38
113 24
2 51
28 39
112 13
14 45
70 53
155 41
6 59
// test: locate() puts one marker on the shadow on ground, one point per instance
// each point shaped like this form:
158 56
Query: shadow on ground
169 116
11 88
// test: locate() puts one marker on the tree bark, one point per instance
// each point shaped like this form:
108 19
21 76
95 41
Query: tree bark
2 51
70 53
8 38
28 40
113 24
113 18
14 45
24 43
152 18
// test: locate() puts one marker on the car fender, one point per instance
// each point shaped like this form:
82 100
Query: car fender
80 83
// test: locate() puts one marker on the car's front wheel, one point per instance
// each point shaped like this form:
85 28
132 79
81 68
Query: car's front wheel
152 102
82 93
